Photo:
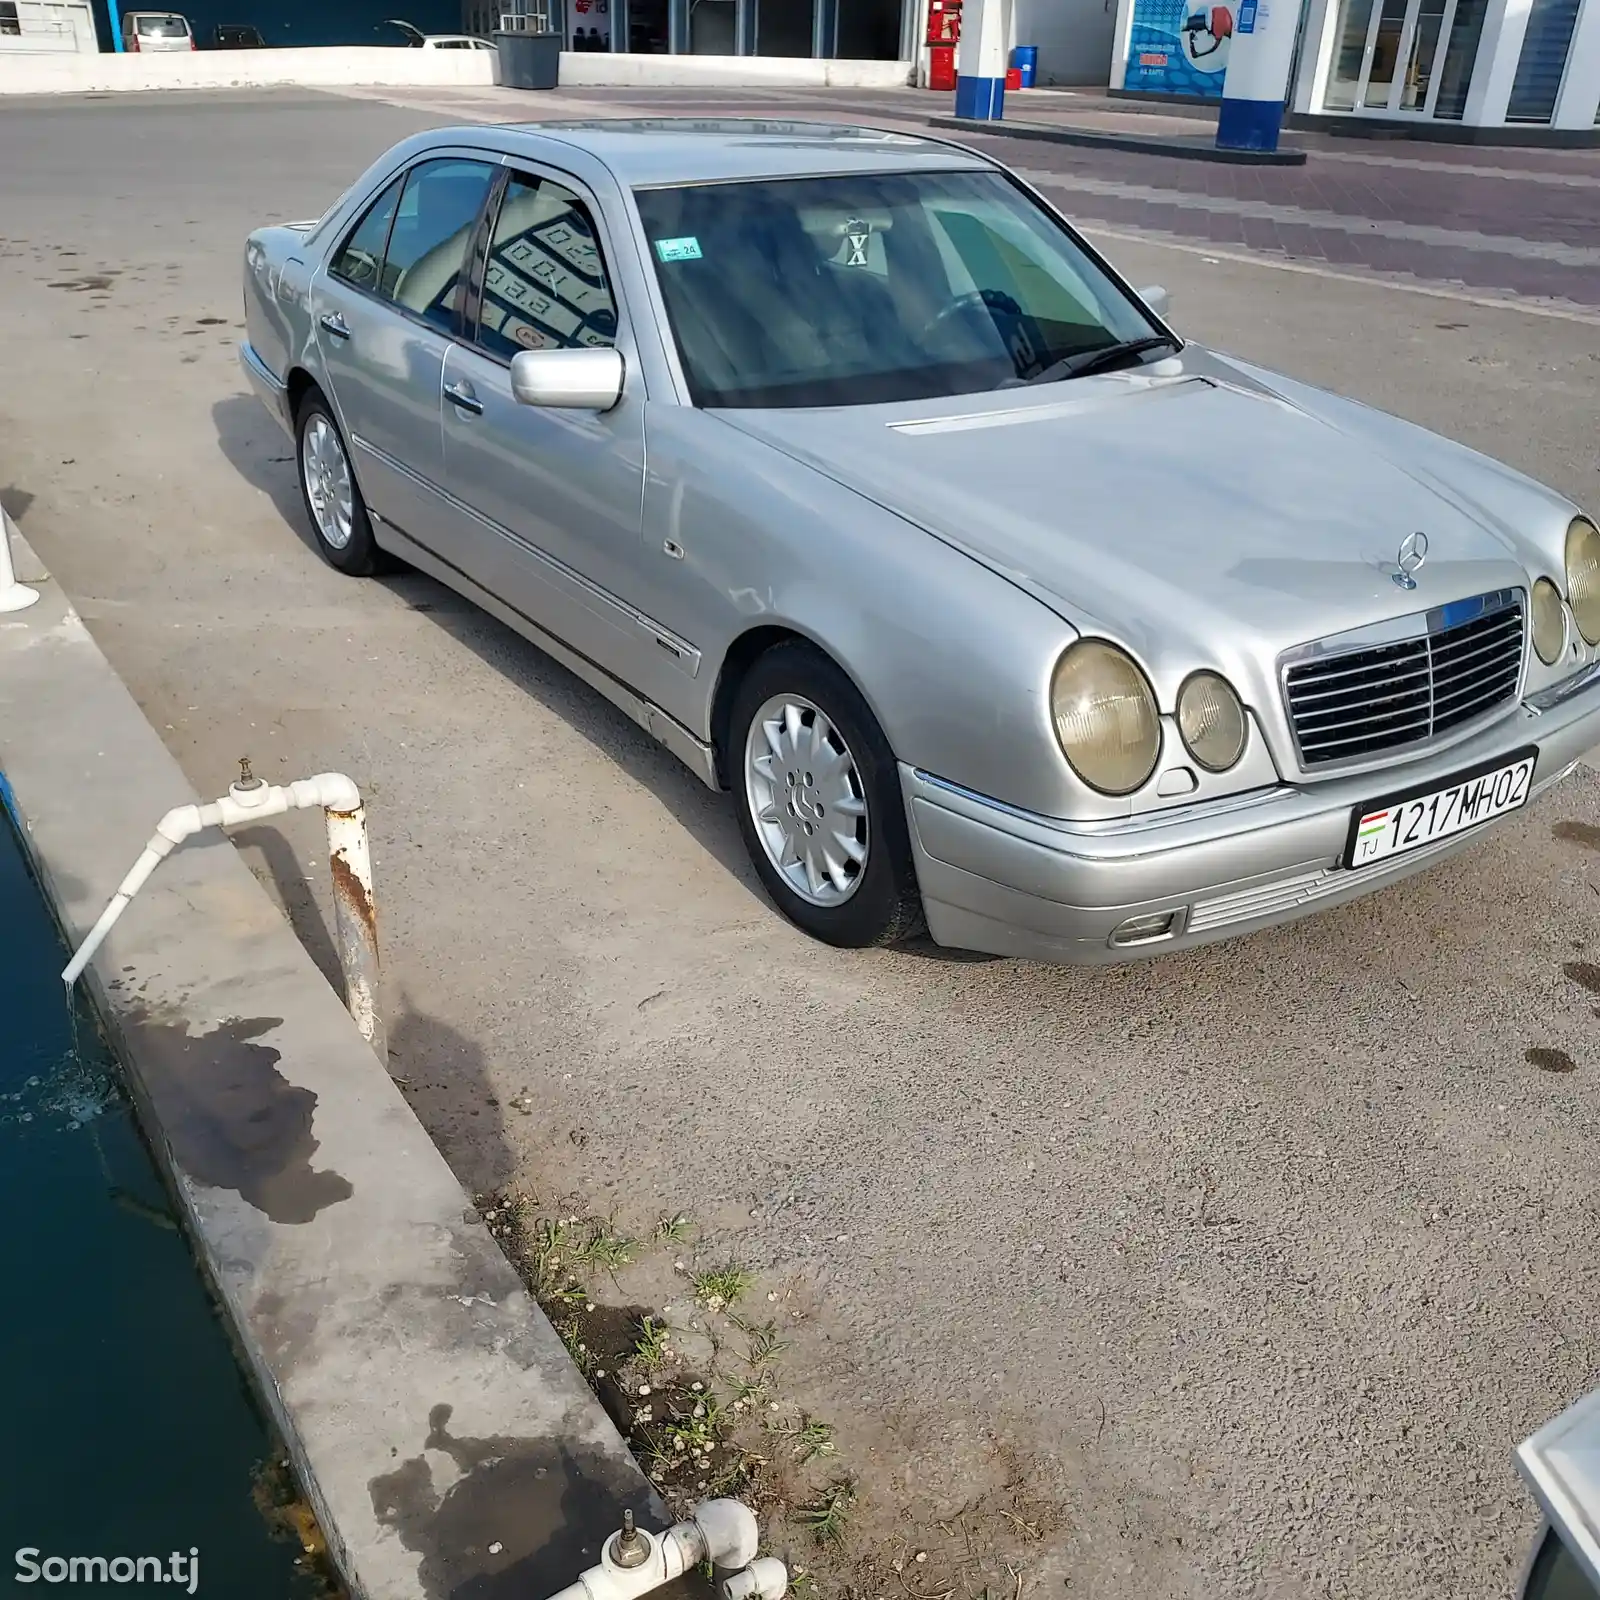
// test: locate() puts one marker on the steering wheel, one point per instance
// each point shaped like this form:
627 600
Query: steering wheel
973 300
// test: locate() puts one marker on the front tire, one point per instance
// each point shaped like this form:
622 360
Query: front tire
819 802
332 497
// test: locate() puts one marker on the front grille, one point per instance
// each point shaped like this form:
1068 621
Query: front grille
1455 664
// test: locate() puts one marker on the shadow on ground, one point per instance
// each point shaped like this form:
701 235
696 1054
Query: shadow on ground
15 502
276 856
259 451
445 1078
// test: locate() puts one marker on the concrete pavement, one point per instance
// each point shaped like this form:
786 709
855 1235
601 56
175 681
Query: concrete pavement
1239 1274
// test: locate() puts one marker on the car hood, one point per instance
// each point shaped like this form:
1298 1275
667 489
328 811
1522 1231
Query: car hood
1185 510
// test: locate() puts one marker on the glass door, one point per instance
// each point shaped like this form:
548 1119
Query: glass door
713 27
1387 56
1347 74
785 27
1417 89
1383 52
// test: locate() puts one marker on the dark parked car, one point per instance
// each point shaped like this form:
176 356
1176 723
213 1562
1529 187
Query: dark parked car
237 36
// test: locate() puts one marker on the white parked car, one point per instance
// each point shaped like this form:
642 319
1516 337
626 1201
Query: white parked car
418 40
156 30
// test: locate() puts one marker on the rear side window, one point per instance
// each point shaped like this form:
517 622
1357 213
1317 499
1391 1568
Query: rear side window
423 266
359 259
545 286
410 245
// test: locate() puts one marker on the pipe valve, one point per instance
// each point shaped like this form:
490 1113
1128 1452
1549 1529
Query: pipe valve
721 1532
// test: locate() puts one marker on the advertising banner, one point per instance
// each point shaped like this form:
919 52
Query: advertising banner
1180 46
591 24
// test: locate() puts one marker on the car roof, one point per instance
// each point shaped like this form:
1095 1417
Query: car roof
646 151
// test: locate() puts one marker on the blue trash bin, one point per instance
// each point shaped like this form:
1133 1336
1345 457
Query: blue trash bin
1025 58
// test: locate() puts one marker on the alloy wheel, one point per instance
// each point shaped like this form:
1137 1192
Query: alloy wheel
807 799
330 489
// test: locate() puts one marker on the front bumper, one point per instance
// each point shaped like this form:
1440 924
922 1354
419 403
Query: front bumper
1008 882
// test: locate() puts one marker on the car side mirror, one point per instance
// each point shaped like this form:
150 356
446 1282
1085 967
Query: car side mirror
571 380
1157 299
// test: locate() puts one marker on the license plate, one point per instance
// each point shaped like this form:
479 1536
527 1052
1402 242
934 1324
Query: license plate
1381 830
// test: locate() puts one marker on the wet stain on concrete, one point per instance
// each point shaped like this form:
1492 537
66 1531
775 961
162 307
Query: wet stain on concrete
546 1503
1584 833
1583 973
98 280
231 1119
286 1329
1550 1060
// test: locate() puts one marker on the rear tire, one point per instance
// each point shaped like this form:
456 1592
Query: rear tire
818 796
332 497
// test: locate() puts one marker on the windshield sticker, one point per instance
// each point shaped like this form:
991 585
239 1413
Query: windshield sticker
685 249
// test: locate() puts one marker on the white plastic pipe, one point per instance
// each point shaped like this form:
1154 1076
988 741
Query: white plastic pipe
730 1531
723 1532
14 596
328 790
766 1579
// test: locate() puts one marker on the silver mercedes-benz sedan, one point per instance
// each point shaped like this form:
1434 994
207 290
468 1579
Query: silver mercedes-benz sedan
851 472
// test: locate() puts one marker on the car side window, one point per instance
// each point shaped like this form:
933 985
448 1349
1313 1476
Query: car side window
359 260
545 285
433 224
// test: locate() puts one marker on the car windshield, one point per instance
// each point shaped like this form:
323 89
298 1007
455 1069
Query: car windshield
166 27
874 287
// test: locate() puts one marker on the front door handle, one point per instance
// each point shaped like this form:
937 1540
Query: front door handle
460 394
333 323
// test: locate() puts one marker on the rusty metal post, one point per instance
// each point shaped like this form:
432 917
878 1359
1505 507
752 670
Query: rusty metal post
356 922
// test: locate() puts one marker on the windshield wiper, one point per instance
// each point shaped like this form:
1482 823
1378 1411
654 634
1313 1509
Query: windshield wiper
1085 363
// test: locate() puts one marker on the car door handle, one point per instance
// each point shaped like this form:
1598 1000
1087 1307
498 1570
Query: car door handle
332 322
460 394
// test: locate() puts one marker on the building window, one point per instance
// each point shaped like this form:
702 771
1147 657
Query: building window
1543 60
1456 77
8 18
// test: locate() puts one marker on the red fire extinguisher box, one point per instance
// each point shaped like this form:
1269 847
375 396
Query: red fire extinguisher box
944 33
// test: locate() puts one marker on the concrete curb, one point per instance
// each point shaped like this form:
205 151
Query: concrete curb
442 1435
369 66
1182 149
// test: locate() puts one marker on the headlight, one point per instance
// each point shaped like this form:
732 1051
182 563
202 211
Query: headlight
1549 622
1105 717
1583 577
1211 721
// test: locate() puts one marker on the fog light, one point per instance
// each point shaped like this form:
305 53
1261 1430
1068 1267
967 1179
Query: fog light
1142 930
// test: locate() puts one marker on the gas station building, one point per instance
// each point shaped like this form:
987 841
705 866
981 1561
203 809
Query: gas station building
1490 71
